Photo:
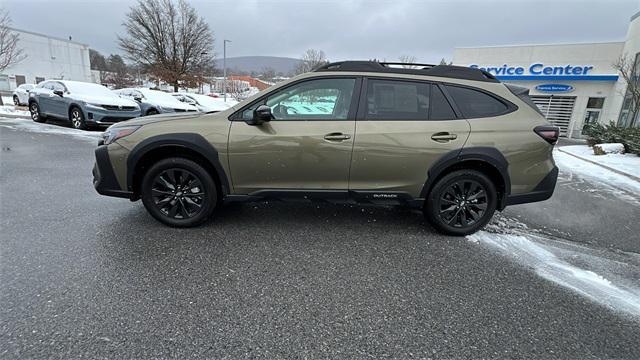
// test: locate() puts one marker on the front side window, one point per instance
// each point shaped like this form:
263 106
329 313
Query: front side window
56 86
319 99
474 103
397 100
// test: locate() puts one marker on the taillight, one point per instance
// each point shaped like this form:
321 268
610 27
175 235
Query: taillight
549 133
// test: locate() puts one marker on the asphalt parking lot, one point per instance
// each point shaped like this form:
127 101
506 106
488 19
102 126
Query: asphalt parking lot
89 276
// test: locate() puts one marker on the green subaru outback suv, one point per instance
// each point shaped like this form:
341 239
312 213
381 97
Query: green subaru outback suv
452 141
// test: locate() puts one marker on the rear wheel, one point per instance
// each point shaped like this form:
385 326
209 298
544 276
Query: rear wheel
179 192
461 203
34 109
77 119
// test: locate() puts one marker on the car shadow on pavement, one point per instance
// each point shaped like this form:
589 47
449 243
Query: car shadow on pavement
268 224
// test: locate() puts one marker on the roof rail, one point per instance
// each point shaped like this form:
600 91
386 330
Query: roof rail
450 71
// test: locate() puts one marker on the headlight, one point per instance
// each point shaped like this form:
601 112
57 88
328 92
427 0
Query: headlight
114 134
94 105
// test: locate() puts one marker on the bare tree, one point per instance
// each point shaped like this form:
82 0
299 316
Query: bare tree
407 59
118 74
311 60
267 74
444 62
10 52
169 38
629 71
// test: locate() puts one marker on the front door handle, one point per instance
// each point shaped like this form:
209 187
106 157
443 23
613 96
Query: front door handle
337 137
443 137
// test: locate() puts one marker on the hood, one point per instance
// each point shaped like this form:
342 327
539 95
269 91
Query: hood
145 120
104 100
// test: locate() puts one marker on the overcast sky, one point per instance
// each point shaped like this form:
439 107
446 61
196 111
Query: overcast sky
347 29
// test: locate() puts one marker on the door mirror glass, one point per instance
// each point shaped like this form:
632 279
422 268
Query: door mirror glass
138 99
261 114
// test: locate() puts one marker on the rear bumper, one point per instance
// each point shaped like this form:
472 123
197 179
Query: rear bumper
104 179
541 192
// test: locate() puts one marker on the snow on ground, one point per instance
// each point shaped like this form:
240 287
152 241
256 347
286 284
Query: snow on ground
7 100
626 163
602 276
575 172
31 126
11 110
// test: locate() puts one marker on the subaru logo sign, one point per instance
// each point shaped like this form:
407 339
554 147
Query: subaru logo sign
554 88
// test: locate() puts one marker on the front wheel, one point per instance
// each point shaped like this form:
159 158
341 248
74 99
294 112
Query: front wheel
34 109
77 119
461 203
179 192
16 100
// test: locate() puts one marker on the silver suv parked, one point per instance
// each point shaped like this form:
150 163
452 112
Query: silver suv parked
155 101
83 104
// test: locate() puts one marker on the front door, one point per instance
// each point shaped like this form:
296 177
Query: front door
403 128
307 146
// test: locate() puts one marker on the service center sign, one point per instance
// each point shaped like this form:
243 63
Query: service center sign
536 69
554 88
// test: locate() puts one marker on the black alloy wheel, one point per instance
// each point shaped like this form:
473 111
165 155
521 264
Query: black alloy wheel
461 203
179 192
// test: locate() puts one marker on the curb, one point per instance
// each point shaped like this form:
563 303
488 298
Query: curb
632 177
12 116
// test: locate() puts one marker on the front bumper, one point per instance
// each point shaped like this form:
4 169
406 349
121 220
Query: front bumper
101 116
541 192
104 179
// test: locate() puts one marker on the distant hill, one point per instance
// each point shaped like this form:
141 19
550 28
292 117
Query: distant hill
256 63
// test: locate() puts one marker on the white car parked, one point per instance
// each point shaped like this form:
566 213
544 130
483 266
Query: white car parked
21 94
155 101
205 103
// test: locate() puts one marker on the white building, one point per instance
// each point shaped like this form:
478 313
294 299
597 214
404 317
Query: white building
47 58
572 84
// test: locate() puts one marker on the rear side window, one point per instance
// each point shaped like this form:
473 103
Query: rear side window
397 100
475 104
440 107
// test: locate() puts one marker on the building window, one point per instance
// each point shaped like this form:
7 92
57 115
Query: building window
592 114
39 79
627 116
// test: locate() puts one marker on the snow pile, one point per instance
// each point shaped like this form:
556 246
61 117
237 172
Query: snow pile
626 163
612 148
48 129
572 266
12 111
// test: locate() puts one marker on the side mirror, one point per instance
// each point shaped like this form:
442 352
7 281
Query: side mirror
138 99
261 114
58 92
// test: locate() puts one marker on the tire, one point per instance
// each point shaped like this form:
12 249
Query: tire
152 112
163 192
34 109
461 203
16 100
77 118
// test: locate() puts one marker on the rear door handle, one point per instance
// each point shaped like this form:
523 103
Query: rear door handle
443 137
337 137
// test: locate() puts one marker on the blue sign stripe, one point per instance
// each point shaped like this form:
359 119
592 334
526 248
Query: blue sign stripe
560 77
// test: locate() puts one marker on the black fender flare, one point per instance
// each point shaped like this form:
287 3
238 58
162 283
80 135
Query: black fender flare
489 155
191 141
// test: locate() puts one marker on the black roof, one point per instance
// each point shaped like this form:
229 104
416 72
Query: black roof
450 71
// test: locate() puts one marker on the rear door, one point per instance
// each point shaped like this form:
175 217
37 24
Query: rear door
402 128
